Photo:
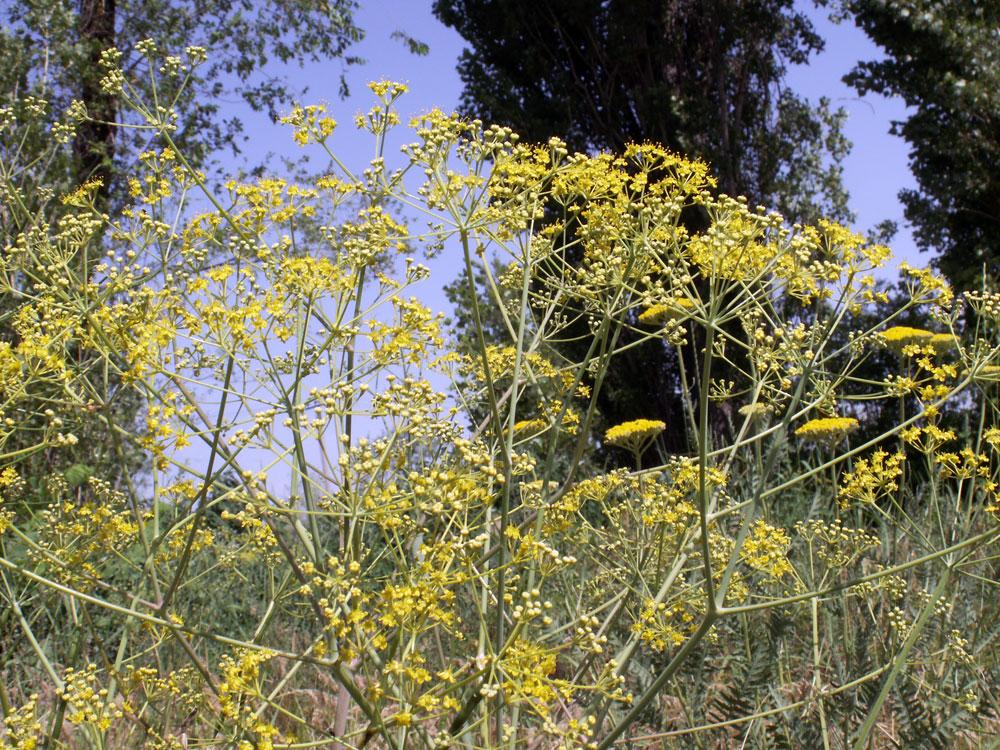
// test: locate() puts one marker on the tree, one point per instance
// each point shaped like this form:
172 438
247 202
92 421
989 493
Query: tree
64 127
943 59
703 78
54 51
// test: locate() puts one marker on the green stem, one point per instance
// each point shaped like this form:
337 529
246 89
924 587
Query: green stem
199 501
817 667
653 690
703 501
866 729
498 431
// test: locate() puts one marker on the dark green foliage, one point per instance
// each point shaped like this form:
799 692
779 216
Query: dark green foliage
701 78
943 59
924 726
77 474
751 674
704 79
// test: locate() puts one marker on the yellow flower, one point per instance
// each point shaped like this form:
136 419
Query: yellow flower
635 434
830 430
924 286
927 439
898 337
404 719
962 465
756 411
943 342
765 550
529 427
872 479
679 308
736 247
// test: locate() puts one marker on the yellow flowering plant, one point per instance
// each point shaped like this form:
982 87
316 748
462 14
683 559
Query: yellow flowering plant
409 566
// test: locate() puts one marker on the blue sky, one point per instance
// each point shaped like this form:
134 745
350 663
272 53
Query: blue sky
874 173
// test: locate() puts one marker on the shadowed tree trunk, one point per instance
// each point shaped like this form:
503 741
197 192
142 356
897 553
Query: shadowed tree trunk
94 147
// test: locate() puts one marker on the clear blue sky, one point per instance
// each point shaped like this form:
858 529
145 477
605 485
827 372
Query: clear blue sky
874 173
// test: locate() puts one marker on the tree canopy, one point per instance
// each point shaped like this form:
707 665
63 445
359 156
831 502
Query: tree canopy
943 59
54 52
704 79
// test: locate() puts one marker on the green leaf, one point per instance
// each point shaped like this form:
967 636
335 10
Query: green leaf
78 474
416 47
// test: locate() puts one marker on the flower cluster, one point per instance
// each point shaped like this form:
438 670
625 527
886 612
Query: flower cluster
827 430
872 479
87 703
634 435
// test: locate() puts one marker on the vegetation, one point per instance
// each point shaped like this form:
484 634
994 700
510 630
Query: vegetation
66 126
942 59
57 52
332 550
704 79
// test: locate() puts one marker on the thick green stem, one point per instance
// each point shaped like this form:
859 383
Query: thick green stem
657 685
900 661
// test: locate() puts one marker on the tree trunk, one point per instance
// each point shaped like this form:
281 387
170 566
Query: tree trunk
94 147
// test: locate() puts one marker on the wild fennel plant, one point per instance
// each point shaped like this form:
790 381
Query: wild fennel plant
403 565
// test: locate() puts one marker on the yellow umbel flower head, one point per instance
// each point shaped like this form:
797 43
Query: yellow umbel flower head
942 343
635 435
529 427
757 411
678 309
899 337
827 430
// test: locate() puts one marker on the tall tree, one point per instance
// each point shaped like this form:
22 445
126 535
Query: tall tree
53 51
703 78
943 59
53 56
